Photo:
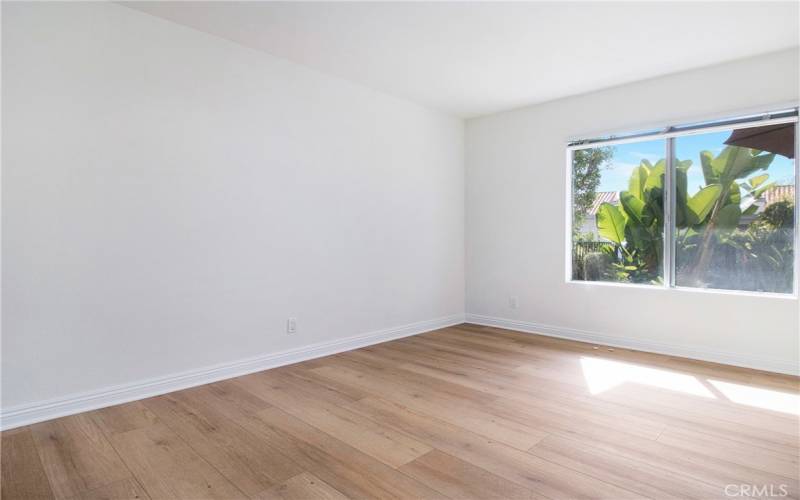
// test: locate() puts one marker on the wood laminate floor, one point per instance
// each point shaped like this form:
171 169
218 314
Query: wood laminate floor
463 412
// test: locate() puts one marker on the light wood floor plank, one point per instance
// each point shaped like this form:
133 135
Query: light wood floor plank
168 468
390 447
733 451
76 455
231 400
753 426
544 478
304 486
126 489
265 384
463 412
252 466
519 400
328 390
645 479
123 418
346 469
23 475
459 479
711 470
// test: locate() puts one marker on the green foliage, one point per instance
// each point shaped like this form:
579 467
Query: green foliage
611 223
765 249
728 217
597 266
700 205
758 180
705 222
586 169
778 215
713 214
733 163
636 226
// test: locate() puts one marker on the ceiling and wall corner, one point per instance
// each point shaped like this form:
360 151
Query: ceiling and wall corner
478 58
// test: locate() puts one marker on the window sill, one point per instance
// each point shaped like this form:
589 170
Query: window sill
680 289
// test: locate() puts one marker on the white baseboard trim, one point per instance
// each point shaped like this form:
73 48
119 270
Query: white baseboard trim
692 352
76 403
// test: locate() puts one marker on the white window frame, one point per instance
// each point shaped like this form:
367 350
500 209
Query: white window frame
783 114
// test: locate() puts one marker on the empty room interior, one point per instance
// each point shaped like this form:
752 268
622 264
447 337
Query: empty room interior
400 250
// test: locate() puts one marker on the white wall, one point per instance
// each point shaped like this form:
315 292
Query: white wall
515 244
170 198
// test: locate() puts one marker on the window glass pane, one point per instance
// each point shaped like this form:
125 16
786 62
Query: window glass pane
618 213
734 210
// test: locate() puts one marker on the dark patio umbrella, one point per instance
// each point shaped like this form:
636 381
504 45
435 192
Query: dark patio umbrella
777 139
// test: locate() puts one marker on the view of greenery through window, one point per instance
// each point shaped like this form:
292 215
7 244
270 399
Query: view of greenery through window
734 195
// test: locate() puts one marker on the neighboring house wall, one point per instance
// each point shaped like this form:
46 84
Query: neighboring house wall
589 225
170 198
516 223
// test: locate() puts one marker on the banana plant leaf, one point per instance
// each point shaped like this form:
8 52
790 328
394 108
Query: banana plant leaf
728 217
634 207
700 204
710 176
611 223
637 181
733 163
757 180
763 189
655 179
734 194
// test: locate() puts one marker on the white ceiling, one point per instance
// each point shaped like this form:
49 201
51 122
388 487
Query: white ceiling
474 58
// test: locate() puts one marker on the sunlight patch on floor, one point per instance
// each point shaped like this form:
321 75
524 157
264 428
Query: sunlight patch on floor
603 374
768 399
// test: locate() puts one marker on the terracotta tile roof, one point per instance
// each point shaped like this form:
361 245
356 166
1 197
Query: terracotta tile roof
603 197
778 193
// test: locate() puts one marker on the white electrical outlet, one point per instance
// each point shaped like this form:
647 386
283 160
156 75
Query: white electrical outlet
291 325
513 302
